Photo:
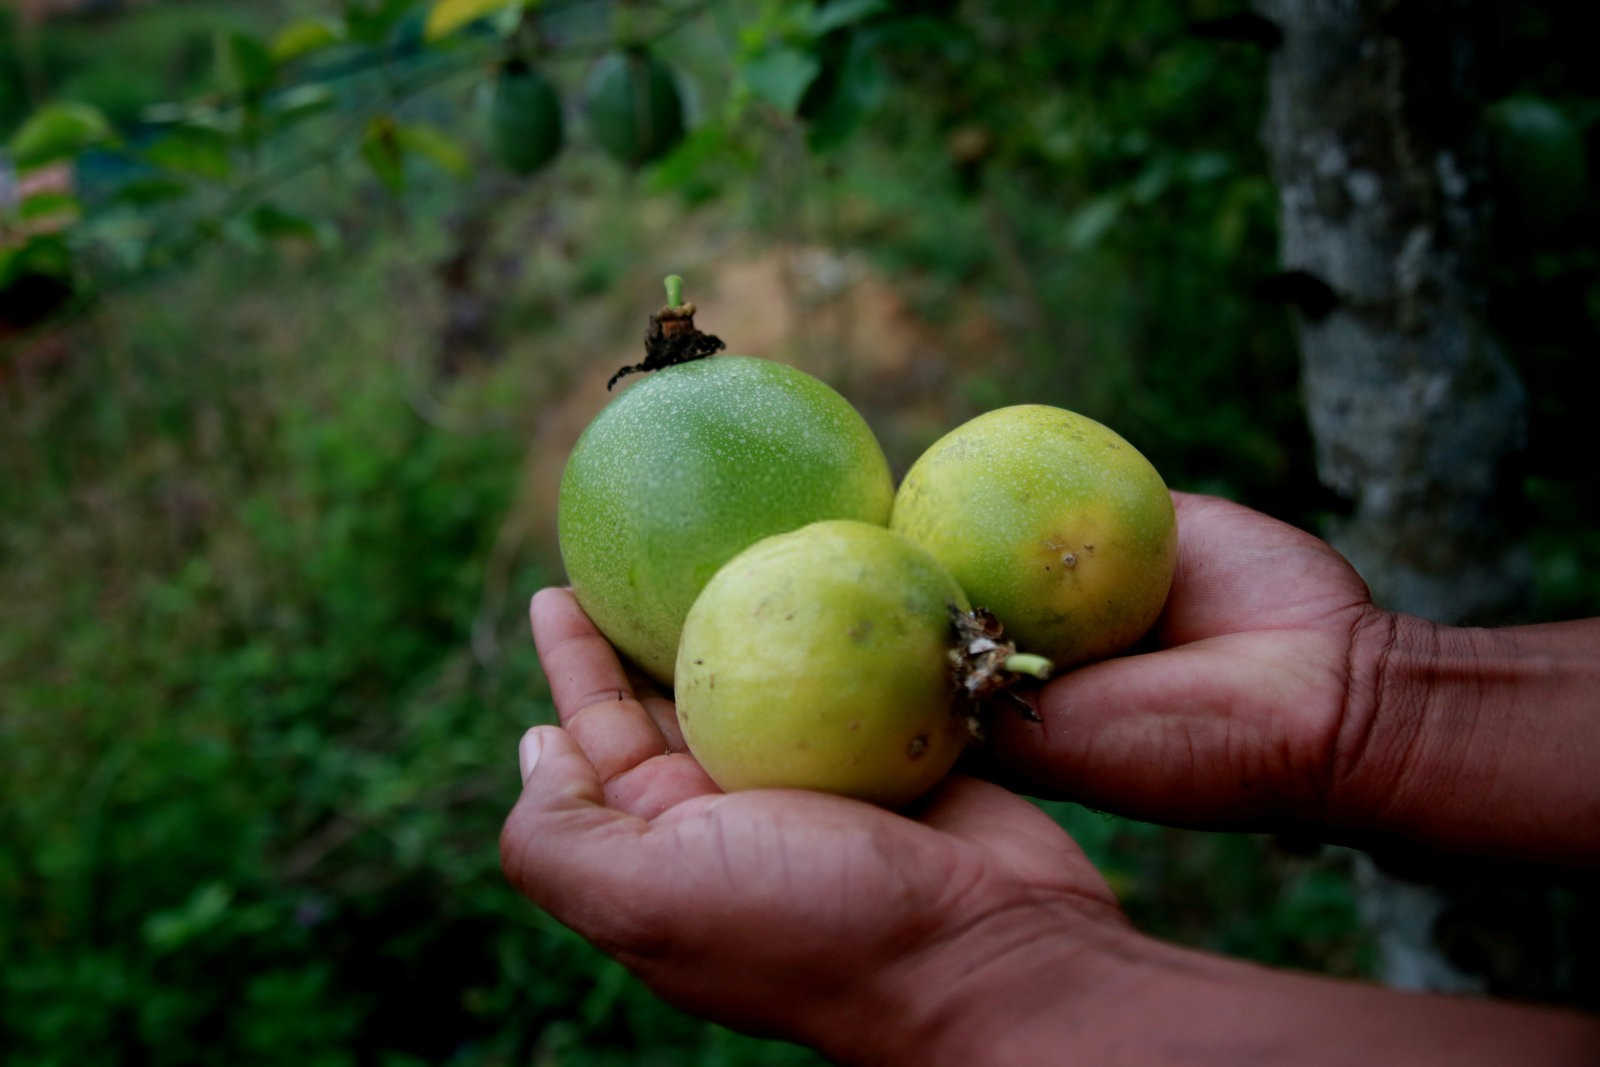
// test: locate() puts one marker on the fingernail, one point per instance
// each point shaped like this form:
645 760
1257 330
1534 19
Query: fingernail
528 752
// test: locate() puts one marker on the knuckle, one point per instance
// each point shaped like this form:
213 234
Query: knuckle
1370 727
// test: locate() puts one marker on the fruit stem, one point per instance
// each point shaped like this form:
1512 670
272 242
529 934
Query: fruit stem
674 285
1028 663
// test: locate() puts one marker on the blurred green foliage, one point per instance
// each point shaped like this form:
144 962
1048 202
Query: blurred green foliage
264 538
256 753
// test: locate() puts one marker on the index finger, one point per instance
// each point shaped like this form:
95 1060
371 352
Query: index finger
593 695
1222 733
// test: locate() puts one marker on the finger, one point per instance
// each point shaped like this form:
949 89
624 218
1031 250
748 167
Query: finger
659 785
561 846
1013 831
591 690
1238 569
582 666
662 711
1226 732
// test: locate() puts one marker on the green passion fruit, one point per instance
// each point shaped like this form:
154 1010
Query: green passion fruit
820 659
633 107
689 467
1540 164
1051 521
525 127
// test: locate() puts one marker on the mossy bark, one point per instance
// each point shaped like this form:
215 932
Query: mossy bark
1377 147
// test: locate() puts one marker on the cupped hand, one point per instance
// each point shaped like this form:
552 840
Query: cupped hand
1254 707
781 911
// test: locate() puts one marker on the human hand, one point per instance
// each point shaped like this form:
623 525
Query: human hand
814 917
1248 709
970 929
1279 695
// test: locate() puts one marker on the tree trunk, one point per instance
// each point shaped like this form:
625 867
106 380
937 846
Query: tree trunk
1376 147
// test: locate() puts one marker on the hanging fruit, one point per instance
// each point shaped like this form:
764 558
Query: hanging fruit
633 107
525 128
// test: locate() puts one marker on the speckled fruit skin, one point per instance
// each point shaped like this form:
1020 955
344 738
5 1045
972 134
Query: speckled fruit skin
1051 521
692 465
818 659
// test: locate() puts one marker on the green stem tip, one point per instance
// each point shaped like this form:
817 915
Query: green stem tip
1028 663
674 285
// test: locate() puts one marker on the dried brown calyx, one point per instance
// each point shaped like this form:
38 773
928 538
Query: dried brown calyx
671 337
985 665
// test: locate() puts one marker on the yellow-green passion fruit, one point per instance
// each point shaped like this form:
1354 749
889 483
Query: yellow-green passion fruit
820 659
1051 521
690 466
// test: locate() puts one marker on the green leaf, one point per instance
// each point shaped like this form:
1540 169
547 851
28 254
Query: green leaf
1091 221
167 930
266 223
1203 167
58 131
841 97
1152 181
448 16
780 76
371 22
142 192
45 253
380 147
59 209
304 36
301 102
245 64
691 168
430 143
840 13
271 221
198 150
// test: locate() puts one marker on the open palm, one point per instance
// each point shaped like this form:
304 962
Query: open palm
753 905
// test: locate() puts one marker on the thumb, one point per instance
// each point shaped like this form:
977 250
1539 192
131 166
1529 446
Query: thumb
555 772
560 839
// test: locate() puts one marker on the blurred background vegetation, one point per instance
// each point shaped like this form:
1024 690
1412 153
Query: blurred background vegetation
296 326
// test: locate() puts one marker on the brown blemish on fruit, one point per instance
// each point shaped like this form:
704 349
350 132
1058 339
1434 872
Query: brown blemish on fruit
1068 560
918 746
861 631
